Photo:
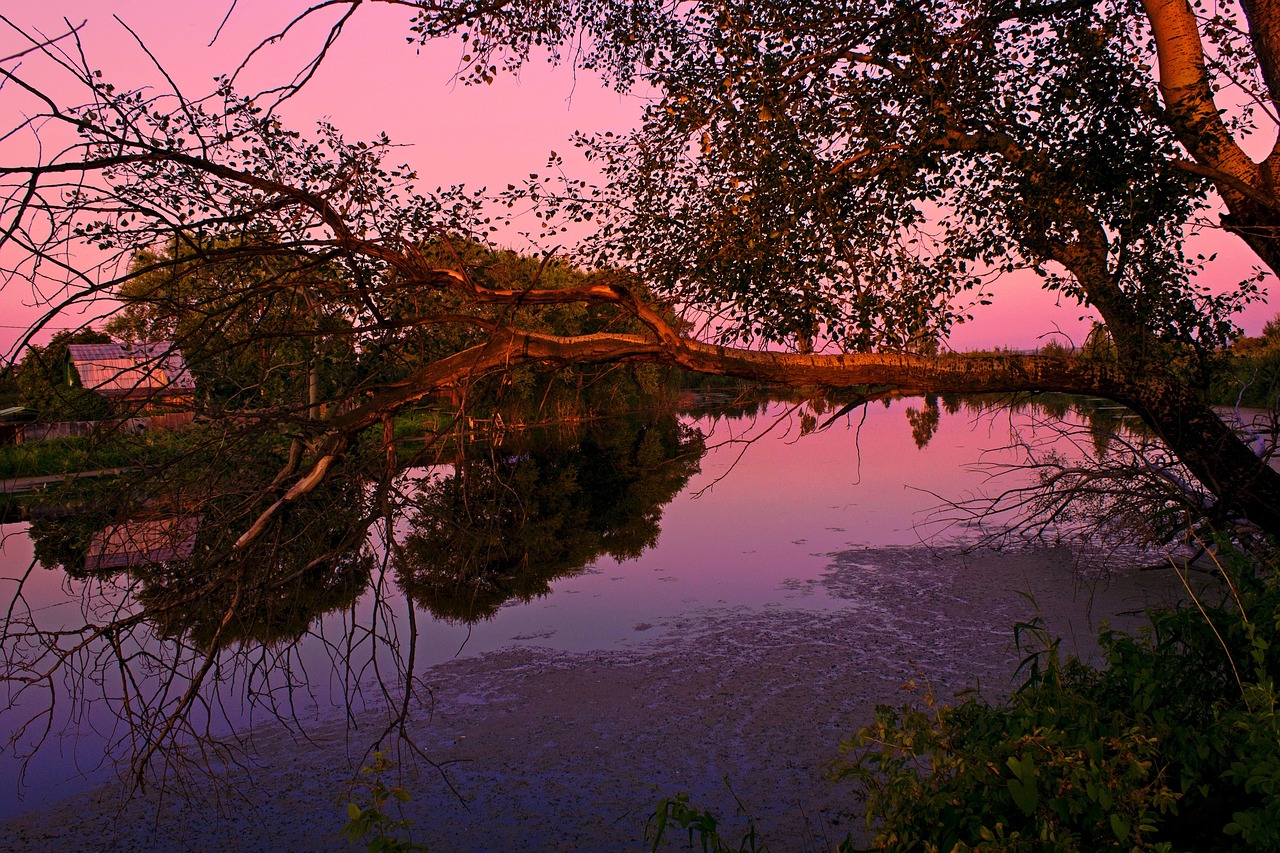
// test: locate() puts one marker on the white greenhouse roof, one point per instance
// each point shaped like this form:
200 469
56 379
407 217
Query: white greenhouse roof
139 369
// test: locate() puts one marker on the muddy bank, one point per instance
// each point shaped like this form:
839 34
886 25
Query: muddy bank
558 751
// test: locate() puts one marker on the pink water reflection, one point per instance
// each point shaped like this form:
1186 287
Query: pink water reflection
757 526
756 529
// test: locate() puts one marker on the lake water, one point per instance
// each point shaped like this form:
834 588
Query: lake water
754 531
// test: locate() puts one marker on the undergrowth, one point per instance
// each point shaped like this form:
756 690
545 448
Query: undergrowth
1174 745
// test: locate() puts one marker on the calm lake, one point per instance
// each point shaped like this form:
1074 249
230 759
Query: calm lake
767 524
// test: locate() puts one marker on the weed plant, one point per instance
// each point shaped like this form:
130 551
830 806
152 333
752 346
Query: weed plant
370 822
1174 745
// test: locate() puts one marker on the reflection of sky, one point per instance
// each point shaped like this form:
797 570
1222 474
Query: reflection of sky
482 136
44 593
753 529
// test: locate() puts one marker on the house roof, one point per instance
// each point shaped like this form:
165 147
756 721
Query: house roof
142 541
117 370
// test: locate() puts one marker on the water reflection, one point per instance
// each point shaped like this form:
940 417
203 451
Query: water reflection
171 632
172 636
142 542
504 524
190 585
498 523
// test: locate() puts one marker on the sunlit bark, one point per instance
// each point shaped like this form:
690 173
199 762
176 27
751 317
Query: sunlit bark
1186 87
312 215
1248 188
1244 483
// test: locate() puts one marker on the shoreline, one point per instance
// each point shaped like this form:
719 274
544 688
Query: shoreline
571 751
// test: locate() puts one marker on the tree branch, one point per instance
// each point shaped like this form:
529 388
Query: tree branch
1188 95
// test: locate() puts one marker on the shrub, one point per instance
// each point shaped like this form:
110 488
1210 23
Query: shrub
1174 745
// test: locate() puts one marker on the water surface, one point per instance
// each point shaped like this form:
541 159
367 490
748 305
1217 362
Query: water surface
755 530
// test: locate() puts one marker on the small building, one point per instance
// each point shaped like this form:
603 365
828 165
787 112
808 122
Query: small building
141 542
133 375
12 421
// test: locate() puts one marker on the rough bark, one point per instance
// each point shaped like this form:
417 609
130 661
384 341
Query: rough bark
1186 87
1244 484
1249 189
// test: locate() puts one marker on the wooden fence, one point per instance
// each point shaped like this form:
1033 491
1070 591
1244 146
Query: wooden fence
128 426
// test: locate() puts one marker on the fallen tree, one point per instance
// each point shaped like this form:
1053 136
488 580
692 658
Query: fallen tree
851 176
835 187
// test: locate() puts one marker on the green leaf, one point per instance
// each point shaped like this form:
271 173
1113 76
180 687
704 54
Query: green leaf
1023 788
1120 827
1025 796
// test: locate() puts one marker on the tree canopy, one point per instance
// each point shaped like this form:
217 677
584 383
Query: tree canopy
846 178
815 197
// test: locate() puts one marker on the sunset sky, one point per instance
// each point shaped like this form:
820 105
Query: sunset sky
374 81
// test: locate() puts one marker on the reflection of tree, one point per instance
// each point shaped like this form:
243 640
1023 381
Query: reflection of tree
176 615
316 562
1102 419
504 526
924 422
1084 471
64 541
191 586
187 622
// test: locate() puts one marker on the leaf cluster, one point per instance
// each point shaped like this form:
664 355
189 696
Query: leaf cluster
368 821
1174 745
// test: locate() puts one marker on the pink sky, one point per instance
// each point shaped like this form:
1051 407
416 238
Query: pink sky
374 81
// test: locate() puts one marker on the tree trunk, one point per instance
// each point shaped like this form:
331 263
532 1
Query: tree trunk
1243 483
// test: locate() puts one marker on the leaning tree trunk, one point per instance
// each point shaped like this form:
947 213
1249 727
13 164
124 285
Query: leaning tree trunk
1243 483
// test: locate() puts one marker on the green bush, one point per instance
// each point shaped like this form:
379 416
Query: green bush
1174 745
368 821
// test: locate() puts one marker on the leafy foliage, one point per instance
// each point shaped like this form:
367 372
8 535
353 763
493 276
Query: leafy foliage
861 168
89 453
47 384
850 176
1252 375
1174 745
254 326
367 817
